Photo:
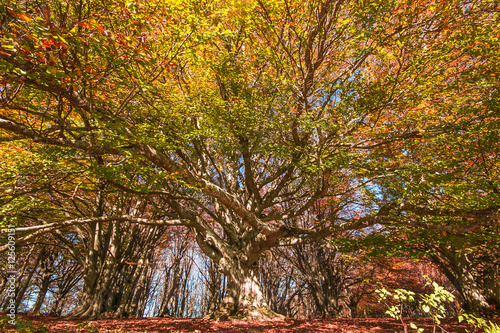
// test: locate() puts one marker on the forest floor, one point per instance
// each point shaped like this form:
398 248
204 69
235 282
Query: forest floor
41 324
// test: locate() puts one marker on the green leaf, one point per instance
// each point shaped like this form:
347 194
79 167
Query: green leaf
51 70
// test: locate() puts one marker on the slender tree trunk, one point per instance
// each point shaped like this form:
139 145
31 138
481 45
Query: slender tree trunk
125 308
41 294
142 298
171 287
24 286
55 310
216 286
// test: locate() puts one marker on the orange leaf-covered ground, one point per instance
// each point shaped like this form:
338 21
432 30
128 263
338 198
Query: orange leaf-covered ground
157 325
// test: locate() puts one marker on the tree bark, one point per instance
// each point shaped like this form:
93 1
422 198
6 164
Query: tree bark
24 286
244 298
472 292
216 285
244 295
44 286
461 272
492 284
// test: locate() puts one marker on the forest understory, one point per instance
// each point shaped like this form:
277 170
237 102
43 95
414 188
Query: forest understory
156 325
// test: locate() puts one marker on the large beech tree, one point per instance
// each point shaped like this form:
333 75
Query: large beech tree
240 116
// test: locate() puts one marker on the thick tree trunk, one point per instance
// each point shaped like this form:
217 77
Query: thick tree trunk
237 255
463 275
325 272
327 305
352 304
100 270
472 292
243 290
244 298
492 284
93 294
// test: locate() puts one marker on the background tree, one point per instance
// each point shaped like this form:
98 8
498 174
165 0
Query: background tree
444 185
177 292
283 289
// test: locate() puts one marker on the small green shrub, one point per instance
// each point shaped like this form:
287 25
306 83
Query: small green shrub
24 326
396 304
3 323
479 323
432 304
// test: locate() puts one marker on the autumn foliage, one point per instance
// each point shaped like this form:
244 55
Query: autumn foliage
293 156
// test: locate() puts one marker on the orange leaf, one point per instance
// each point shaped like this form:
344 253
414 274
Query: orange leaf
25 17
84 25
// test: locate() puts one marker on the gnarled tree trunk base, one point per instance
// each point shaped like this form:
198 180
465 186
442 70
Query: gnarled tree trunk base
89 312
246 313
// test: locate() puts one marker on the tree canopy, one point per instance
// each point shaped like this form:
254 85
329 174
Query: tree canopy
255 124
